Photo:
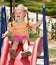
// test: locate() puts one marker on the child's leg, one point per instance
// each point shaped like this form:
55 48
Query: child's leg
40 46
25 45
26 51
14 48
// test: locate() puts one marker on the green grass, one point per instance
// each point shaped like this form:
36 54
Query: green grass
52 53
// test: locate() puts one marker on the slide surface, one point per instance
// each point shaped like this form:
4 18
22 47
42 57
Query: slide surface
19 60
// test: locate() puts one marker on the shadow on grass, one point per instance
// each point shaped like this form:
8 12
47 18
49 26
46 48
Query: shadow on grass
53 62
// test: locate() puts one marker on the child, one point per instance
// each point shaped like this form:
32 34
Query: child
20 31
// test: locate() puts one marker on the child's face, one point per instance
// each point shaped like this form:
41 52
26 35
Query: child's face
19 14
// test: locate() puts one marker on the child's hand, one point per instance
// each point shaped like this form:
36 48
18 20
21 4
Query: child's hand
34 27
3 35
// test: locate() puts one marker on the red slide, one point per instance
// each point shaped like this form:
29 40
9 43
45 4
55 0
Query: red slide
19 60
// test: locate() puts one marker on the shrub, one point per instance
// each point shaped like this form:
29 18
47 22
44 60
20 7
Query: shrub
33 36
53 32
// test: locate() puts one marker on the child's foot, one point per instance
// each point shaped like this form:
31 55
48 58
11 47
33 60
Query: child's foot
12 53
26 53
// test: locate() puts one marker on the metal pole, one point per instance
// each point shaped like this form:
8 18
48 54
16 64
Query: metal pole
3 24
45 44
13 4
36 16
10 10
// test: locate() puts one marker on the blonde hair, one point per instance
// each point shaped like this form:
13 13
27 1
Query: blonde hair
22 7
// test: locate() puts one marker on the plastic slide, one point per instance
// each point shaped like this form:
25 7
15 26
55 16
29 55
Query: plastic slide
19 60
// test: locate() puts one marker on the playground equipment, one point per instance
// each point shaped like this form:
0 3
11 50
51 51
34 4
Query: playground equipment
3 25
5 57
0 37
36 16
19 60
45 45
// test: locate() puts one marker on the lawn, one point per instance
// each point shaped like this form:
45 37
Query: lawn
52 53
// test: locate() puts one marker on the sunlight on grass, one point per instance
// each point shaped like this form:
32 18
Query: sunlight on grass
52 53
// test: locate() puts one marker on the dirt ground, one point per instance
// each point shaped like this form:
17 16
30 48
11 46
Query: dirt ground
52 44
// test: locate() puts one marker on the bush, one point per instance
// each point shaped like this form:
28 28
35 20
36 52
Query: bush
50 8
50 12
53 32
33 36
37 7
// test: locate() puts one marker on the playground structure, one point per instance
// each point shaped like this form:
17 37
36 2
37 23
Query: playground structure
5 57
3 25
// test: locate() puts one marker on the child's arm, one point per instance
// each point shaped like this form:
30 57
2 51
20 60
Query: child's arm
9 30
6 33
37 24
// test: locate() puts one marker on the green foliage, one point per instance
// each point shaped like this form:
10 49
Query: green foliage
50 8
50 12
53 32
9 36
33 36
35 6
